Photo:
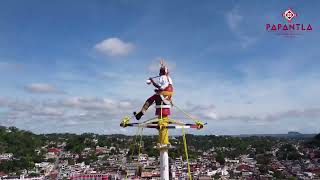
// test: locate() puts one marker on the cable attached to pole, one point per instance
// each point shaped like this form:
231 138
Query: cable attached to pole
133 145
199 124
140 143
186 152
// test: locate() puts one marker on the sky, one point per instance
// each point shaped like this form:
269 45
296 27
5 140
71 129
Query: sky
80 66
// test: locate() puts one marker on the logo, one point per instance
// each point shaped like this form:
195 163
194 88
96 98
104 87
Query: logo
290 28
289 14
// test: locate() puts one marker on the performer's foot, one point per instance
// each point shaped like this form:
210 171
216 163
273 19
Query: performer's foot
138 115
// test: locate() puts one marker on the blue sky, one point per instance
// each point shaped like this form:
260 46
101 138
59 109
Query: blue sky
79 66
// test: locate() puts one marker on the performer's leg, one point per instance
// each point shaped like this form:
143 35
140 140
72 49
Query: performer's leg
145 107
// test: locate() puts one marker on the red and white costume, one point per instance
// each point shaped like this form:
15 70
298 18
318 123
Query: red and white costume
163 97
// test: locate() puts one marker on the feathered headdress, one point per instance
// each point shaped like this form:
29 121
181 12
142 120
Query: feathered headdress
163 66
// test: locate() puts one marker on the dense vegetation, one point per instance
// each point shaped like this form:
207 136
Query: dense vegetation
24 143
315 142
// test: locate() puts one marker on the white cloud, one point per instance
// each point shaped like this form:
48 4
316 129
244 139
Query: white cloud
114 47
234 20
277 116
48 111
89 103
203 112
48 115
77 114
270 91
42 88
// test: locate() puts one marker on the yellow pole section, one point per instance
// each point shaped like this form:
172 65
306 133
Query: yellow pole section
163 131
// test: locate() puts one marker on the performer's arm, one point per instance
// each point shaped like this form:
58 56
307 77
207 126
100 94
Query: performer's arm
154 83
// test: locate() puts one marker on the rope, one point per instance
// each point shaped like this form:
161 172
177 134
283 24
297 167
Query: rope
176 122
186 152
198 123
125 121
148 124
133 146
140 143
161 110
157 126
185 113
155 123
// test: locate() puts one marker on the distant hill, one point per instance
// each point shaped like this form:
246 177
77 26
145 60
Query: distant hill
288 135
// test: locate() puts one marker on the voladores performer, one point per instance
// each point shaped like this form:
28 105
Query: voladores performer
162 96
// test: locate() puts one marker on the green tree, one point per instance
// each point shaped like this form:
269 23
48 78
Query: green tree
288 152
216 176
220 158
